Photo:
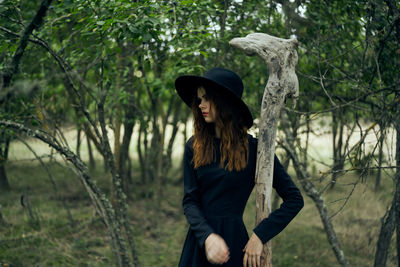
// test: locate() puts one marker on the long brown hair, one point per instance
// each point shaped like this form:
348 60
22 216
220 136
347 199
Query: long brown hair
234 141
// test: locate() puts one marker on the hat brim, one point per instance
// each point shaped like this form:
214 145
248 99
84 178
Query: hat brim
186 87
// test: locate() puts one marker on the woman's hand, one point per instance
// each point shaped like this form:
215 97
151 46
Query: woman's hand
217 251
252 252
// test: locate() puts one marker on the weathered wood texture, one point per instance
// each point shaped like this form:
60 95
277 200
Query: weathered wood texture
280 55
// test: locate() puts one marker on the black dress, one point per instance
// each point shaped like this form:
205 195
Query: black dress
214 201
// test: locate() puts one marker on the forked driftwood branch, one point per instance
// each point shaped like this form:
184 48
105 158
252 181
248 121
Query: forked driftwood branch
280 55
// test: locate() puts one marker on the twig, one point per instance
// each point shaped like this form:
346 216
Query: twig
35 23
53 183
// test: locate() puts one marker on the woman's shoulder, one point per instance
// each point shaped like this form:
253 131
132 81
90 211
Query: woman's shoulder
252 140
189 143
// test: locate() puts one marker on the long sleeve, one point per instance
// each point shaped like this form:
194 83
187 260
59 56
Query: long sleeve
292 203
191 203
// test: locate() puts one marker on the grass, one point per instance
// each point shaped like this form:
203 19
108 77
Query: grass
160 229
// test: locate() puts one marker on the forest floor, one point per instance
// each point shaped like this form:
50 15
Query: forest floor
46 237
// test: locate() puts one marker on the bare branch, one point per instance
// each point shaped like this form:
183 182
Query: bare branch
35 24
101 203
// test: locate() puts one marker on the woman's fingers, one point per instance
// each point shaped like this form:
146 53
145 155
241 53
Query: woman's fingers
253 250
254 261
218 258
223 253
221 257
217 251
251 260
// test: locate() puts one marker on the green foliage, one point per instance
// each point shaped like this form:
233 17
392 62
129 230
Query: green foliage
134 48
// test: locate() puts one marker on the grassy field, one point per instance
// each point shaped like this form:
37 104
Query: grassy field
159 231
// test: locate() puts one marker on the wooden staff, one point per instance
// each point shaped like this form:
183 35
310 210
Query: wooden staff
280 55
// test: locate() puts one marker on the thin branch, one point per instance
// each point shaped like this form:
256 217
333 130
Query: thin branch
67 70
101 203
35 24
50 176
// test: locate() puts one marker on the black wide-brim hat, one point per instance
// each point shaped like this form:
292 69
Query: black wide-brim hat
216 79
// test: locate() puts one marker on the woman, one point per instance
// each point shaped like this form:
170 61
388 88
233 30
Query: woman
219 171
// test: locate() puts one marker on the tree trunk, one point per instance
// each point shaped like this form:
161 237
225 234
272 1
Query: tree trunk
2 221
391 220
281 57
117 146
159 147
394 10
177 115
78 142
305 148
5 140
117 138
385 236
222 24
314 194
179 181
121 205
337 135
124 151
4 185
380 157
397 177
141 153
92 163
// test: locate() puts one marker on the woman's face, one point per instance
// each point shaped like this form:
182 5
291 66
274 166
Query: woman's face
206 106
